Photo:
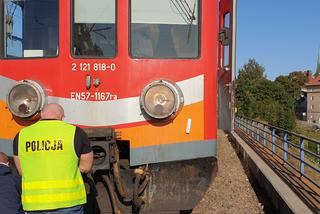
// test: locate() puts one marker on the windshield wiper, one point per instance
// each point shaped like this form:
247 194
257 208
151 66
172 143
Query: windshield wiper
192 18
186 13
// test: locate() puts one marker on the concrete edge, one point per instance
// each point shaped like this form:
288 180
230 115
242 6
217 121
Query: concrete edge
291 200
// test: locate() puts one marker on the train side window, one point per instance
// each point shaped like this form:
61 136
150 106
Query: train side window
30 28
164 29
226 48
94 28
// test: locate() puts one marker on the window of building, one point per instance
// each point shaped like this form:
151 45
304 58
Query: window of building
94 28
164 29
311 98
311 107
30 28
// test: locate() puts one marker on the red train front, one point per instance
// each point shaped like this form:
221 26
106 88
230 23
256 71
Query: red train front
140 76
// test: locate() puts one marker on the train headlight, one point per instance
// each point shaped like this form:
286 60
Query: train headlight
26 98
161 99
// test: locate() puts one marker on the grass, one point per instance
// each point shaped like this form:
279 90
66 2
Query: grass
307 131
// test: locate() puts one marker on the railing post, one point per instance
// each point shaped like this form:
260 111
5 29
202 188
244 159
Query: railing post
302 156
237 122
247 126
258 133
252 129
273 140
264 135
241 123
285 145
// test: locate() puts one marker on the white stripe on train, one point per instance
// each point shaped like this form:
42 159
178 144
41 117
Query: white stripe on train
115 112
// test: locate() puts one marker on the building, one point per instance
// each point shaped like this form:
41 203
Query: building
312 89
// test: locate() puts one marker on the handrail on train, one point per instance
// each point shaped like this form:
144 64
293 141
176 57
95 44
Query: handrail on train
299 152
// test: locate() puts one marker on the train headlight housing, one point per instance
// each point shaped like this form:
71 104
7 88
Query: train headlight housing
161 99
26 98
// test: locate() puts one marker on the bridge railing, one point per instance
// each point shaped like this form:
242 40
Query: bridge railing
297 151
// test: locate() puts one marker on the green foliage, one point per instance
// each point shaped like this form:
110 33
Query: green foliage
307 131
251 71
311 133
292 84
271 101
286 119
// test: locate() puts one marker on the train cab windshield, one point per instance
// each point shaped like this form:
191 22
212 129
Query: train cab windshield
94 28
30 28
164 29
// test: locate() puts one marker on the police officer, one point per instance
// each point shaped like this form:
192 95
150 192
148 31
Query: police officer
50 155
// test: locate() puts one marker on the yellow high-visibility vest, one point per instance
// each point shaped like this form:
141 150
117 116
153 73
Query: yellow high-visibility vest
51 178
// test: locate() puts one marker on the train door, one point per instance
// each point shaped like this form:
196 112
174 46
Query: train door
226 64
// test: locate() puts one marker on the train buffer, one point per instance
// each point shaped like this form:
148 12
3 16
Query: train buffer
285 164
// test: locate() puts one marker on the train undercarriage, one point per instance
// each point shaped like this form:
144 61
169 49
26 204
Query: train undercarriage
116 187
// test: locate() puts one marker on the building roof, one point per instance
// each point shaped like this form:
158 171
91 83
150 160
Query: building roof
313 81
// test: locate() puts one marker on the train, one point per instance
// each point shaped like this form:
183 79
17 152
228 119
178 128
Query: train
149 81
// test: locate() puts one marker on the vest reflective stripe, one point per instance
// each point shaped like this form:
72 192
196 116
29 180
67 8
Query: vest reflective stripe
50 175
49 198
59 184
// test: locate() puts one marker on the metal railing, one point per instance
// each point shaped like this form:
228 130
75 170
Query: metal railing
297 151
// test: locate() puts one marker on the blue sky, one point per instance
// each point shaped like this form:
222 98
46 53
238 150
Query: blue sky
282 35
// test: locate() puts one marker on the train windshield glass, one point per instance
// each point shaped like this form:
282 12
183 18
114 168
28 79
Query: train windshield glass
94 28
30 28
164 29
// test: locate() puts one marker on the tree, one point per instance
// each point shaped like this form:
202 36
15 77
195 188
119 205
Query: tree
271 101
251 71
292 85
248 76
298 77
